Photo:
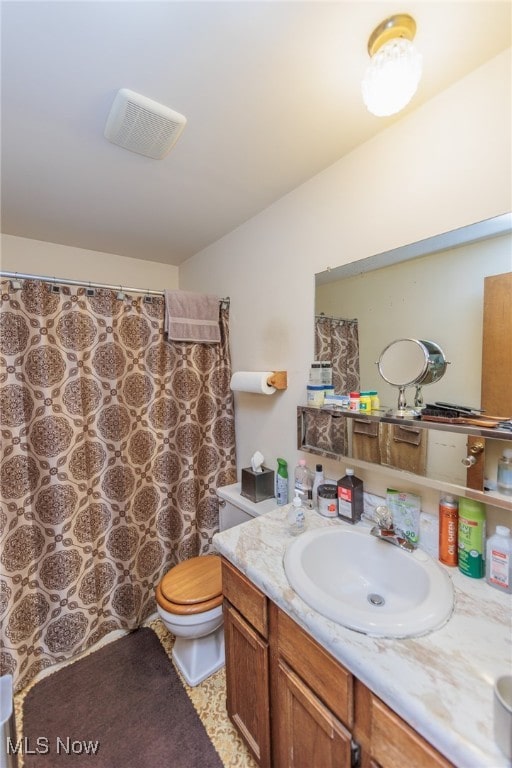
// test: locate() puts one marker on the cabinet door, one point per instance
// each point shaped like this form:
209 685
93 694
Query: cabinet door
247 684
496 346
394 743
309 735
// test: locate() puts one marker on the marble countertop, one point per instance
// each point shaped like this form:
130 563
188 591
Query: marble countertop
440 683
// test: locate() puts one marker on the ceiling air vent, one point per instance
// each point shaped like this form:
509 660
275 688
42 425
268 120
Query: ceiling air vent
143 125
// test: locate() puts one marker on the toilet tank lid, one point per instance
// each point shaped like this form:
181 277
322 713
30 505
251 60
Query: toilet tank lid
232 494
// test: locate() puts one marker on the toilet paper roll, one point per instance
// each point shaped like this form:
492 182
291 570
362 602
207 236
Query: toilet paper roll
252 381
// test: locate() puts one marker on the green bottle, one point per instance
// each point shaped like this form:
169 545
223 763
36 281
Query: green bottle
282 482
472 538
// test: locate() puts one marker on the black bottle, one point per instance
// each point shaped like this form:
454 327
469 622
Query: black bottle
350 497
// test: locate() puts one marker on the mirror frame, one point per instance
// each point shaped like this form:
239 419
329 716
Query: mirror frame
471 233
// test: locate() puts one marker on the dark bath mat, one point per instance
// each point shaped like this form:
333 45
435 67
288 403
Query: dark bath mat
126 697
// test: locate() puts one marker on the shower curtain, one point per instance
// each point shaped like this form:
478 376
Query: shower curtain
337 340
113 443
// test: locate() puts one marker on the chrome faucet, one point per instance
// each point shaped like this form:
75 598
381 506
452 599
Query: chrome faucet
394 537
385 530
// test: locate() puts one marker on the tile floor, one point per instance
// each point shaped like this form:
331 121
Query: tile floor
208 698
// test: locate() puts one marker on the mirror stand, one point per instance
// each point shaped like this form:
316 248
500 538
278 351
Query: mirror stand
402 411
411 362
418 397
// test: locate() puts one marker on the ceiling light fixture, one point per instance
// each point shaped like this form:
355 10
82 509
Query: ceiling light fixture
394 71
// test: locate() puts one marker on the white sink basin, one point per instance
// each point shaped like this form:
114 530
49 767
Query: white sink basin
367 584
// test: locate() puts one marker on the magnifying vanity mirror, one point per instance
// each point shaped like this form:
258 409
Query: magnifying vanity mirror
432 289
411 363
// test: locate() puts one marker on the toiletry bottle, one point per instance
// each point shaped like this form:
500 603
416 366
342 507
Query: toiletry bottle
318 480
375 400
471 535
296 515
350 497
315 395
448 527
282 482
328 500
354 401
498 561
315 373
505 472
365 402
304 483
326 374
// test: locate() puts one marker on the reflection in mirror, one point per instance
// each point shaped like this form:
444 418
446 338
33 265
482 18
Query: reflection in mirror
411 362
431 290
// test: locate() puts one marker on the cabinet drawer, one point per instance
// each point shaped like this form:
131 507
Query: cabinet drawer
330 681
393 742
247 598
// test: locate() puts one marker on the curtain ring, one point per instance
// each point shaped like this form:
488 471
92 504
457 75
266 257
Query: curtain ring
15 283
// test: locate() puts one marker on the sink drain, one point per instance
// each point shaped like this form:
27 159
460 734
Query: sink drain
375 599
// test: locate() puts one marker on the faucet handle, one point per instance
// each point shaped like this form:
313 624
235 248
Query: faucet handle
383 517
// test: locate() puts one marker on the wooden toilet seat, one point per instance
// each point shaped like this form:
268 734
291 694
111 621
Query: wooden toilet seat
193 586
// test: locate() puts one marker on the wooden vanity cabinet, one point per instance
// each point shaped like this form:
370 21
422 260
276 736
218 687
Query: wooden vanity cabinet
386 740
307 732
295 705
312 701
247 661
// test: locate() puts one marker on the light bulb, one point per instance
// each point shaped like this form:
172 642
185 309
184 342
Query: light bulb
392 77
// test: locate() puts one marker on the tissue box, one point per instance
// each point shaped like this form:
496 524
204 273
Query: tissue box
258 486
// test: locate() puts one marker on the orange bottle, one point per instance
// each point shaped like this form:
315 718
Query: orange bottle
448 530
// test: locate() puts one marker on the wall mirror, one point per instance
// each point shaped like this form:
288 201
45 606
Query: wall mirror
432 289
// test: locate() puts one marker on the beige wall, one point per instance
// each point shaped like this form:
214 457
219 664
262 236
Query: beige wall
20 254
445 165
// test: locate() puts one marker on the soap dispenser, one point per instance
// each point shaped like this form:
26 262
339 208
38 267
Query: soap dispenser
296 515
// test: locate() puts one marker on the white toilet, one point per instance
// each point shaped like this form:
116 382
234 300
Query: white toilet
189 596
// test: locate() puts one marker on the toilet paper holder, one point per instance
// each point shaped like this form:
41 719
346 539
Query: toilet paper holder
259 382
278 380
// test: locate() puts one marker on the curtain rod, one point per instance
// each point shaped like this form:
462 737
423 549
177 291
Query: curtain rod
87 284
335 317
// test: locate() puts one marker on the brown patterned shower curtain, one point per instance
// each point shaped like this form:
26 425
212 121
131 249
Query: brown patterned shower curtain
337 340
113 443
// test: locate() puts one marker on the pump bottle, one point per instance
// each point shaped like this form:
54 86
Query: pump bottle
296 515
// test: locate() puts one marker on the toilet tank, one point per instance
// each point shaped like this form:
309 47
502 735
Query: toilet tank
235 509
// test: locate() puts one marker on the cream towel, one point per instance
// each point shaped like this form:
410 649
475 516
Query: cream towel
192 317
